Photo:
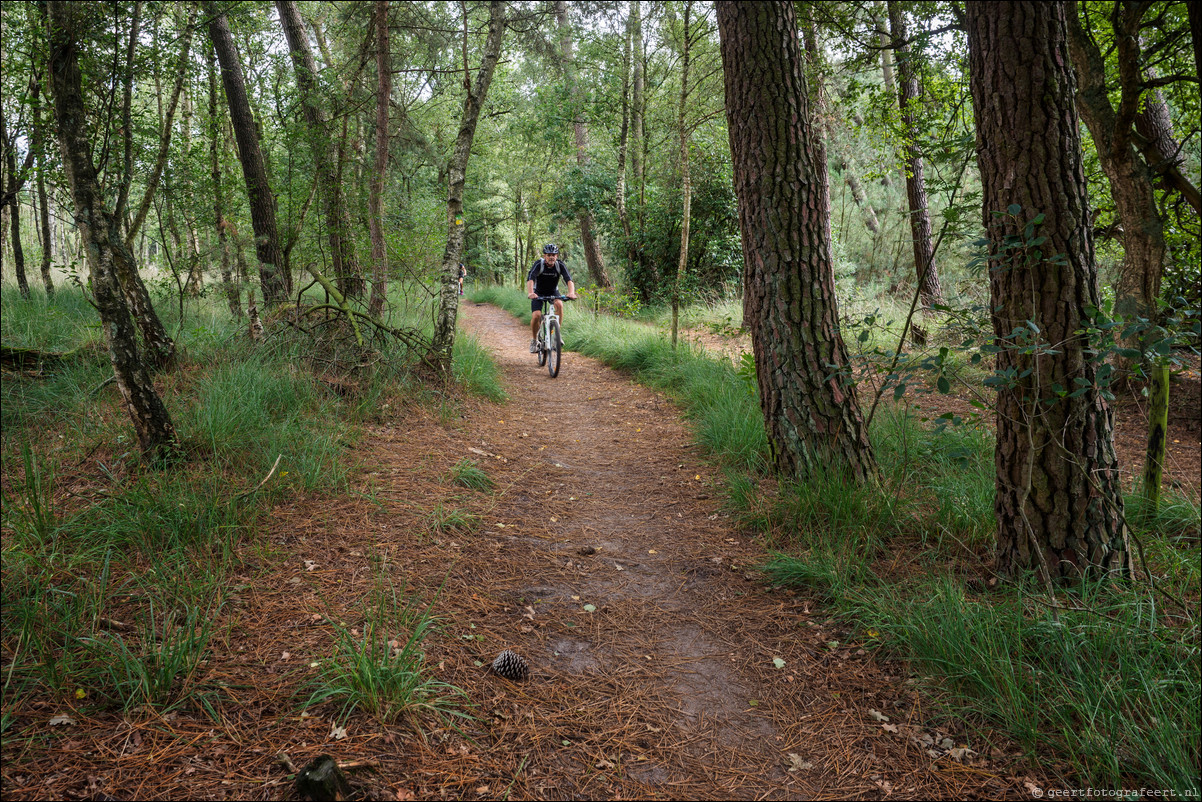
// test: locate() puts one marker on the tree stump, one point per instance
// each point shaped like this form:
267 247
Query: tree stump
322 781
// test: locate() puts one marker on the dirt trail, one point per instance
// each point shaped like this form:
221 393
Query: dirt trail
606 559
602 555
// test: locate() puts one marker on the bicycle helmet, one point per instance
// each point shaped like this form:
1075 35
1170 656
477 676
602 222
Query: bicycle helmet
551 247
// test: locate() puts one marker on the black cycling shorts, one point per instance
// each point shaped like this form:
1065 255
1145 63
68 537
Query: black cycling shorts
537 305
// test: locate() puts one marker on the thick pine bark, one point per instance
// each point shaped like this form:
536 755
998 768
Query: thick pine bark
379 254
477 91
810 410
102 239
592 249
276 281
347 273
929 290
1059 503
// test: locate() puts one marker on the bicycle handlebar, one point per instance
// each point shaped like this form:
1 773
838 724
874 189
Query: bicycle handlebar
552 298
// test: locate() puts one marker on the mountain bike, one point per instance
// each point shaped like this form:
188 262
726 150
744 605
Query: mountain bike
549 345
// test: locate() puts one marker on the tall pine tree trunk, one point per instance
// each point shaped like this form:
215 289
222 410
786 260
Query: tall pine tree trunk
102 236
592 250
810 410
379 253
477 92
276 281
1059 504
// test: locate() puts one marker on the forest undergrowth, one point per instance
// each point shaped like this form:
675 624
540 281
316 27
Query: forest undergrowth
1100 683
114 574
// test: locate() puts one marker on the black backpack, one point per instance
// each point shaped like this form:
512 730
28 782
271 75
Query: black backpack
543 269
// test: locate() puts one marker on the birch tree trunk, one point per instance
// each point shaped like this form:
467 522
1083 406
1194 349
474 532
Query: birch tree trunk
104 244
477 92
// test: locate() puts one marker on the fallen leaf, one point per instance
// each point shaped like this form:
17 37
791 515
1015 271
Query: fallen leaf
619 566
310 565
776 661
337 733
482 790
798 763
62 720
878 715
529 612
404 795
604 764
652 551
891 728
588 608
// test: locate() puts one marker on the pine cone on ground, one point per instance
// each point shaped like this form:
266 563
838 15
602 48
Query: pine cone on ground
511 665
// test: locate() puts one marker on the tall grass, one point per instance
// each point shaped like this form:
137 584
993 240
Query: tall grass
1107 685
380 667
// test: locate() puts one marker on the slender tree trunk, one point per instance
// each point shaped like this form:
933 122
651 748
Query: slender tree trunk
47 240
929 290
448 308
102 233
624 134
810 410
38 147
379 254
1059 503
592 250
233 293
686 184
12 190
1144 246
884 42
347 273
168 124
276 281
638 114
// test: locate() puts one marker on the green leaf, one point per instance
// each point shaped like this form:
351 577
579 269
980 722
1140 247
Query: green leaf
945 386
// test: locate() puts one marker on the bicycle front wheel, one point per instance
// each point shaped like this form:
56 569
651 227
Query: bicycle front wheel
554 349
542 350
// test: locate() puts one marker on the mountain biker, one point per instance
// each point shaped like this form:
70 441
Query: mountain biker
543 279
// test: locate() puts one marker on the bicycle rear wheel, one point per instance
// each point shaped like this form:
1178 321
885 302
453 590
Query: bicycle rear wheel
554 350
